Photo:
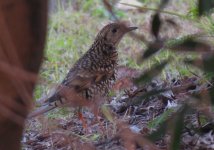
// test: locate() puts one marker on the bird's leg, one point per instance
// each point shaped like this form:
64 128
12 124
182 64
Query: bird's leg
80 115
96 115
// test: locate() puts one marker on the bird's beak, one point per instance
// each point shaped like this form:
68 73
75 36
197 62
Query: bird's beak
131 29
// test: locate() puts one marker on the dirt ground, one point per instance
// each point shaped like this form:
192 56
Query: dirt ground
131 120
126 118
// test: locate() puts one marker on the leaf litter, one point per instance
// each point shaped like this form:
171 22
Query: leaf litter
149 116
131 119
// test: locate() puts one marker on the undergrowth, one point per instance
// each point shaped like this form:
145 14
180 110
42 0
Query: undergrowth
71 32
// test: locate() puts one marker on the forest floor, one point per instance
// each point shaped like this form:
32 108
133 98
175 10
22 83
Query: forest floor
125 120
128 122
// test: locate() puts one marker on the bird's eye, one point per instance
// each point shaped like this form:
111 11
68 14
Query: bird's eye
114 30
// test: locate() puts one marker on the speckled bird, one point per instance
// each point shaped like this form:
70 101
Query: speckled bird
94 73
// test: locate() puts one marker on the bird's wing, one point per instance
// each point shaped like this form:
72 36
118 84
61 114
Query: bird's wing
82 79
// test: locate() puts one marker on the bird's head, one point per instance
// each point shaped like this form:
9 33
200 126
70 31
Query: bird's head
113 33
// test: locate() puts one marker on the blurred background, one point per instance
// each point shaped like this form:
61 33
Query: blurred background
73 25
179 25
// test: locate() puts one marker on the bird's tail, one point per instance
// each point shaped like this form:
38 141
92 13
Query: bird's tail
52 102
41 110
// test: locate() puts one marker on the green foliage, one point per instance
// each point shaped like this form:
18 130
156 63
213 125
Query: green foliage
107 113
204 7
96 9
153 124
209 76
100 12
207 24
178 126
87 5
193 11
148 75
94 137
160 132
149 1
60 113
205 63
71 33
203 119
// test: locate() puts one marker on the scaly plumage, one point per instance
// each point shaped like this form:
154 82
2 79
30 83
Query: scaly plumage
94 73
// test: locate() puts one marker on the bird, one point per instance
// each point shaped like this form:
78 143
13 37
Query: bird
94 73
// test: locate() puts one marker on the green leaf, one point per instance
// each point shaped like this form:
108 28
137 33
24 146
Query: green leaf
191 45
160 119
107 113
178 120
163 3
148 75
156 24
153 48
205 63
94 137
211 93
204 6
160 132
178 128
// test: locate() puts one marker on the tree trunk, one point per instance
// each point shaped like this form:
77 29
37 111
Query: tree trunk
22 40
